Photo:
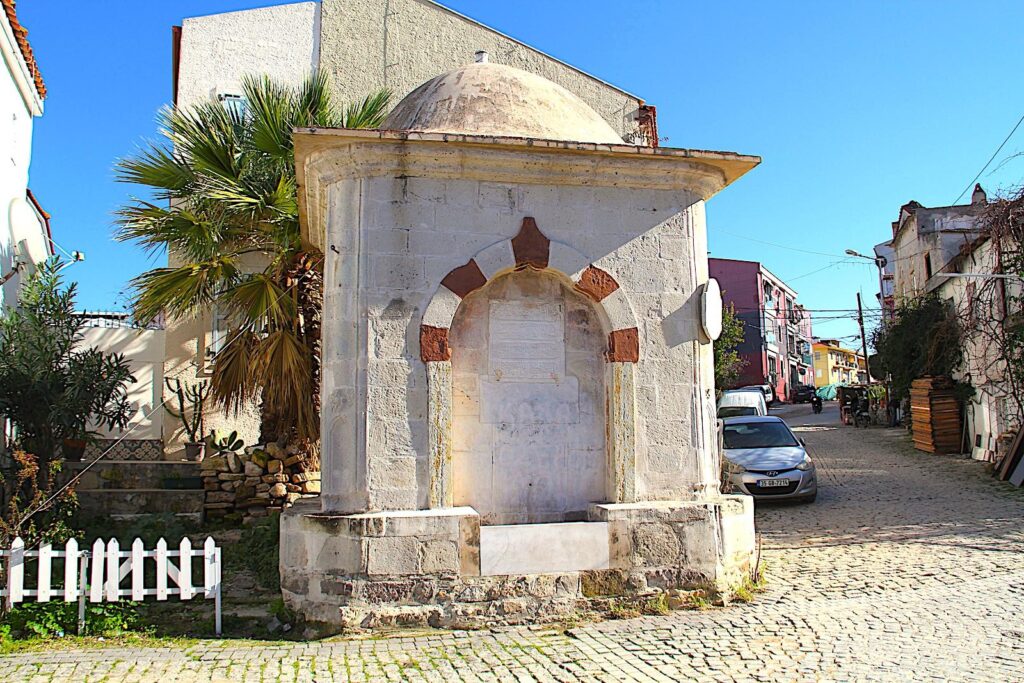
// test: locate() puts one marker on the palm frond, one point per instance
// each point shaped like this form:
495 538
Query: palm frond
259 299
209 136
283 369
182 291
233 382
370 113
314 105
158 168
269 107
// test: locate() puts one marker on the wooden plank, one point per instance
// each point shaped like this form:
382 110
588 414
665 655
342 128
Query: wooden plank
43 590
71 570
138 569
98 563
161 569
16 573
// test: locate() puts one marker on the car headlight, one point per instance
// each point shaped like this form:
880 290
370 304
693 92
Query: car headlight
731 468
805 464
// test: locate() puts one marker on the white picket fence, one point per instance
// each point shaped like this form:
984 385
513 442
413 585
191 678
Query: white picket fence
97 575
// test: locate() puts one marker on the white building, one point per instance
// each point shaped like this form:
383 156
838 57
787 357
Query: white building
24 226
932 249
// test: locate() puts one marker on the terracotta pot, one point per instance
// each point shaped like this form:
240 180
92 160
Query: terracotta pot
73 449
194 451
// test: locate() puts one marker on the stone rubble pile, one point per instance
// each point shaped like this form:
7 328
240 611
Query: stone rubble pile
259 481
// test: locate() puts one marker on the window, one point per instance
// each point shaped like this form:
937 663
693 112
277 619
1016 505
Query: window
928 266
758 435
817 355
235 104
218 333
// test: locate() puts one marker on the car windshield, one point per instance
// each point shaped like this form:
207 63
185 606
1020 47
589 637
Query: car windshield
758 435
736 411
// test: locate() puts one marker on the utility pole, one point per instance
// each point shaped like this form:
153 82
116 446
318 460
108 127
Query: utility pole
863 339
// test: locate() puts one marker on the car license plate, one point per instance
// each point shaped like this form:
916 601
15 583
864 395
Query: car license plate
766 483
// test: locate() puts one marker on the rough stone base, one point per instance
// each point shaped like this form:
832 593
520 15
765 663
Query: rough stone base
422 568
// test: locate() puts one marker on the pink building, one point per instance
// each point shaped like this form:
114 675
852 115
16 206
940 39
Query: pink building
777 330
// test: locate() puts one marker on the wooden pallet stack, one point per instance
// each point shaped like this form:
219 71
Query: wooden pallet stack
935 415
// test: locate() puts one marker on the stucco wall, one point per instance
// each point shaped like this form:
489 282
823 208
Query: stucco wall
218 50
399 44
144 351
396 239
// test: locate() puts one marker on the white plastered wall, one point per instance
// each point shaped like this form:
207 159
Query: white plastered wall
144 352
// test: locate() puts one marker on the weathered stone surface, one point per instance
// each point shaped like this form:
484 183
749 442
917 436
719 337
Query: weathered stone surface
278 490
252 469
214 464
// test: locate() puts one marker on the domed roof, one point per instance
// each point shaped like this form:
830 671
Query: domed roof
497 100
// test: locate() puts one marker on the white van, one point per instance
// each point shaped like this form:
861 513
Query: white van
740 402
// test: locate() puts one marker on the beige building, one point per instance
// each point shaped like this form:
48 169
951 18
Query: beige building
363 45
518 401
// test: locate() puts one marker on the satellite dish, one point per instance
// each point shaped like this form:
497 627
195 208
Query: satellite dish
711 309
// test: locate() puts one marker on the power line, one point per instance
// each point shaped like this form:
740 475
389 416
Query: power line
991 158
780 246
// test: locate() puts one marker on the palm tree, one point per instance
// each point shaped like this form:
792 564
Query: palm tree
223 180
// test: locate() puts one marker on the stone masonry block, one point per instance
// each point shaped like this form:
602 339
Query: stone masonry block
439 557
442 307
392 555
619 311
567 260
495 258
397 272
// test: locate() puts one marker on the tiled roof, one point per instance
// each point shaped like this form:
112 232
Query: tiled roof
21 35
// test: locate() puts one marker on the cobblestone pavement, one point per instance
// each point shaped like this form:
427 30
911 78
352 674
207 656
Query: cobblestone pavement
909 567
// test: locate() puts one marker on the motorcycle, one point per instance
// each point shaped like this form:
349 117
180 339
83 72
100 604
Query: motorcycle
816 404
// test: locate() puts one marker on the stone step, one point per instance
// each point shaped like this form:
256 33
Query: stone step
136 474
132 503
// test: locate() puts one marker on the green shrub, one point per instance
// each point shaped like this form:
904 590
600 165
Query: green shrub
58 619
257 550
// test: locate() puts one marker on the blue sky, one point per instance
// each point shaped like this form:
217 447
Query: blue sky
856 109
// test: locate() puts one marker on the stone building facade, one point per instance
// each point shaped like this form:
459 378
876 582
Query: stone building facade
518 407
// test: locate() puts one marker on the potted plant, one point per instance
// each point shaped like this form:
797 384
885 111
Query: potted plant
191 400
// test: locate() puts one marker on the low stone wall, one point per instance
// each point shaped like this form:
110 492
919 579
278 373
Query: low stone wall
256 482
423 567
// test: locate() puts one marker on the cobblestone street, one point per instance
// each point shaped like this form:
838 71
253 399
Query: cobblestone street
908 567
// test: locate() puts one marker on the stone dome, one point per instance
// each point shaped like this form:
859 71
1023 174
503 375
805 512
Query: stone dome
497 100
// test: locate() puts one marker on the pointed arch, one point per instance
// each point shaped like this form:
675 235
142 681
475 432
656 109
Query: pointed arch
530 248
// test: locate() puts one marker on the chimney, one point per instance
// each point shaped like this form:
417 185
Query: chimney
481 56
979 196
